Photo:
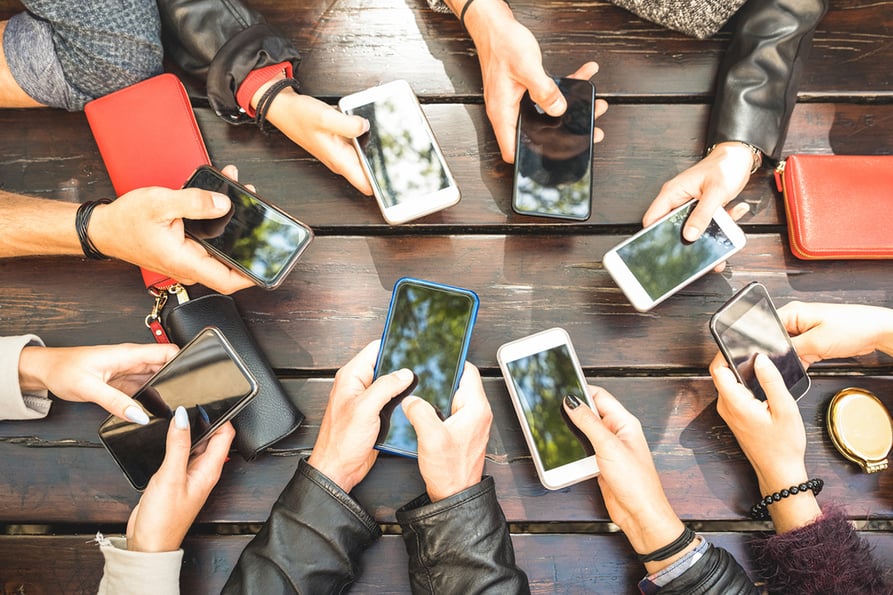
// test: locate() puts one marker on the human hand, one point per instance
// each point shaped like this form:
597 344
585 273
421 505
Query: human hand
628 480
322 131
145 227
344 450
451 452
511 63
105 375
715 181
771 435
179 489
826 331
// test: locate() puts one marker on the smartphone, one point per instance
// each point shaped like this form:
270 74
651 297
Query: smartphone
553 156
401 157
657 262
428 329
206 377
256 238
749 324
540 370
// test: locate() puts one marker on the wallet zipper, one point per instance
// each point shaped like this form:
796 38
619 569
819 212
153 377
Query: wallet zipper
153 319
779 176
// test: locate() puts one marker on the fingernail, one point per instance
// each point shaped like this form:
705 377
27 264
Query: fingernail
136 415
690 233
404 374
181 419
572 401
220 201
365 126
761 360
235 171
558 106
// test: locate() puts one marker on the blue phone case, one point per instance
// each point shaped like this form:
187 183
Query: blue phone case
391 414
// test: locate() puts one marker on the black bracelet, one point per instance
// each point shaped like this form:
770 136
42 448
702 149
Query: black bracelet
671 549
760 510
266 100
81 221
462 13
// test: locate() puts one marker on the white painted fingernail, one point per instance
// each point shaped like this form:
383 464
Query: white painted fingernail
136 415
181 419
404 374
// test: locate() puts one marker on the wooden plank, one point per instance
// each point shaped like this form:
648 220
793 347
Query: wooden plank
62 475
336 299
597 564
51 154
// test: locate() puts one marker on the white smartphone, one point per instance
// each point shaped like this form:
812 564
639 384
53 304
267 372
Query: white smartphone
540 370
657 262
399 153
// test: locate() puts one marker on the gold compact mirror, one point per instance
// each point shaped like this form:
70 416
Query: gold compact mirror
861 428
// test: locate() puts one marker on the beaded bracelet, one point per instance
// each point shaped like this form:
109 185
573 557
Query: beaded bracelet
671 549
760 511
81 221
266 100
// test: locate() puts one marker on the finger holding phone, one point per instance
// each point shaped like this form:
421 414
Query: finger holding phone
177 492
344 448
715 181
826 331
771 434
629 482
451 451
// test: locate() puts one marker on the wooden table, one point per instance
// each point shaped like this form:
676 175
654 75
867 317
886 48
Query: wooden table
58 486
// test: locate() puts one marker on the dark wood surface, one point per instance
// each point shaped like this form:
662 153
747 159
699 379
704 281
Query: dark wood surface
530 274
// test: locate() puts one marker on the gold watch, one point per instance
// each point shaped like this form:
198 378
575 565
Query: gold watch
861 428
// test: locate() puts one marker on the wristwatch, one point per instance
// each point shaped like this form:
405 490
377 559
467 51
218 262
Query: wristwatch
861 428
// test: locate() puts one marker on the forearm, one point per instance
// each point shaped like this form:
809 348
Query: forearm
758 80
37 227
885 331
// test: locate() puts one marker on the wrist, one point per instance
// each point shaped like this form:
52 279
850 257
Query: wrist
332 471
31 367
650 531
739 150
96 230
481 17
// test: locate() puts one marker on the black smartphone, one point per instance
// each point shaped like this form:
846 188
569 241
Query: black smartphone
206 377
553 156
749 324
427 330
256 238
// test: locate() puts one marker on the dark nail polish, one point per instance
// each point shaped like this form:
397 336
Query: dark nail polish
572 401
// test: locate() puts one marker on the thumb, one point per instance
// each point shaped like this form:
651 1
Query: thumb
586 419
777 395
119 404
421 415
178 446
193 203
711 200
546 94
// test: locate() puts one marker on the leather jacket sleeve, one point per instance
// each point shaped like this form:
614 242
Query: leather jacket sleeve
758 80
715 573
311 543
224 41
460 544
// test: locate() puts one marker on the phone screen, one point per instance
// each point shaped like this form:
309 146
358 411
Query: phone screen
255 237
750 325
660 259
553 161
428 331
399 148
205 378
541 381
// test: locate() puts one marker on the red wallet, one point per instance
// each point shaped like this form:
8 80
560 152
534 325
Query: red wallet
838 206
147 136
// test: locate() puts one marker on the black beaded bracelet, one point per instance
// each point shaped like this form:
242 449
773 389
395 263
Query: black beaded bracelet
671 549
760 510
81 221
266 100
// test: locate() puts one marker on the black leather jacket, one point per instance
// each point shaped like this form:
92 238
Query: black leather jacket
223 40
715 573
758 80
312 541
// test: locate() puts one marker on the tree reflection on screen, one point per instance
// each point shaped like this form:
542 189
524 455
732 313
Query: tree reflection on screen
542 381
427 334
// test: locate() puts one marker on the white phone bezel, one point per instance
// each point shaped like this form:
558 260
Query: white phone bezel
631 286
575 471
420 206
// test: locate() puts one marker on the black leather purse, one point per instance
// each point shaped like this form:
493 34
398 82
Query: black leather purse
271 416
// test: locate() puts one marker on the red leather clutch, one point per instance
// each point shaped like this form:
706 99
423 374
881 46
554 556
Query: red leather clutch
838 206
147 136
